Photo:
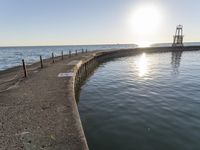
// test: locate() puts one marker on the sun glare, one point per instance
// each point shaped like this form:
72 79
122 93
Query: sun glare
146 19
145 23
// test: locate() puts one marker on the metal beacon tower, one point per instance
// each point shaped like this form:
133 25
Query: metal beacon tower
178 37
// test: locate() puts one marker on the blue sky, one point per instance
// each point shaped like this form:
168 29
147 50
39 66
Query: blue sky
66 22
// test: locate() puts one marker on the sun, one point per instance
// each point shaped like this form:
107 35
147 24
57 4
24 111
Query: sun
145 22
146 19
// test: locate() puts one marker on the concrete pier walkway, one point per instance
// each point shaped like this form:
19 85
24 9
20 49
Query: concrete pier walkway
40 112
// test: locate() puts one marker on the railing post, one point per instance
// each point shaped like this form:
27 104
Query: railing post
86 50
41 62
85 67
82 50
53 58
24 68
69 53
76 52
62 55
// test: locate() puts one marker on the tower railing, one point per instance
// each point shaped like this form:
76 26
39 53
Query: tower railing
178 37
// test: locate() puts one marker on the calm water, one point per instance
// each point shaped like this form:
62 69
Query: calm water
144 102
12 56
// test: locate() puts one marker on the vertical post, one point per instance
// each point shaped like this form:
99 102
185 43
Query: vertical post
86 50
53 58
85 67
41 61
24 68
69 53
76 52
62 55
82 50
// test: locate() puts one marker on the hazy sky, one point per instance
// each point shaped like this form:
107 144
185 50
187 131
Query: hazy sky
62 22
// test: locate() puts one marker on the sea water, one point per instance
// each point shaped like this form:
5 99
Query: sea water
143 102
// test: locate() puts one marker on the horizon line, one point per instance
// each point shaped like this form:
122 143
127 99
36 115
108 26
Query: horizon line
59 45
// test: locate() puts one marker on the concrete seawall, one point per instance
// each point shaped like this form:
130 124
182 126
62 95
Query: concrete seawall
40 112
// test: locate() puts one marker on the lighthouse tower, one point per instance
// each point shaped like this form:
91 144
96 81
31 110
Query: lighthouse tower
178 37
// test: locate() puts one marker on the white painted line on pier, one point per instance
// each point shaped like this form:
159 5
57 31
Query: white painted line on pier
69 74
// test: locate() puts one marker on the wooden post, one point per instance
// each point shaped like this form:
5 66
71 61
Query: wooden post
69 53
82 50
41 61
24 68
62 55
85 67
76 52
53 58
86 50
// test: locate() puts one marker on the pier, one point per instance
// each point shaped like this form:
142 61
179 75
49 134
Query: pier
38 103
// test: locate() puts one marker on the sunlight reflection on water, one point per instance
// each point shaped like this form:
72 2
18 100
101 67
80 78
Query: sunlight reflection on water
142 65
